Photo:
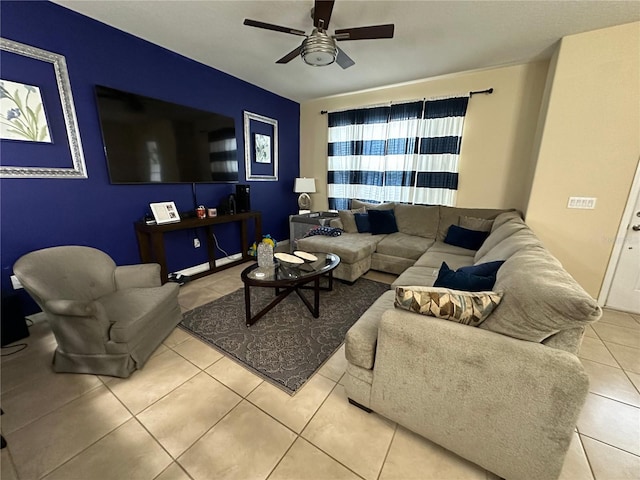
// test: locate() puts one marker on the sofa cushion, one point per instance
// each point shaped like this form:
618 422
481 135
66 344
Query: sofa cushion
382 222
424 276
441 247
483 269
465 238
469 308
350 247
371 206
461 280
541 298
362 222
505 217
418 220
434 260
402 245
520 240
390 264
361 339
475 223
133 309
348 221
451 216
499 234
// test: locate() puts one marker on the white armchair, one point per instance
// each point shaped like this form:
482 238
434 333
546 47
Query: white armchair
107 319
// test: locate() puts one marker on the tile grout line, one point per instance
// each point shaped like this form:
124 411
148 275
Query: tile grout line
607 444
317 446
176 459
169 466
299 435
49 472
386 455
35 419
618 362
586 455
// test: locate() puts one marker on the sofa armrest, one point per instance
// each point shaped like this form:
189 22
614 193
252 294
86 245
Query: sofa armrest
71 308
508 405
137 276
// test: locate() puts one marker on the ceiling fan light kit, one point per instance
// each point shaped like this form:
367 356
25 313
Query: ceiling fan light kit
319 48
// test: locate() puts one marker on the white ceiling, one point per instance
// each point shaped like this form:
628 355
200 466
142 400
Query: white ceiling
431 37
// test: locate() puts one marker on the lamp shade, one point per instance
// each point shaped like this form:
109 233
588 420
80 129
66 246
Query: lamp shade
305 185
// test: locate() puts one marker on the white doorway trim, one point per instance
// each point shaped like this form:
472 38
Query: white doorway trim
619 240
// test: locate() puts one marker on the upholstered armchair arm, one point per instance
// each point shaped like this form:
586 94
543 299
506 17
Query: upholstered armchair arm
71 308
137 276
508 405
80 327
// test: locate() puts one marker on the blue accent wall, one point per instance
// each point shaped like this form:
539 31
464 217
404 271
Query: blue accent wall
38 213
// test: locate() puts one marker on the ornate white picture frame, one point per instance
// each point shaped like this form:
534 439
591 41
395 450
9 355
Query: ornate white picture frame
77 168
261 166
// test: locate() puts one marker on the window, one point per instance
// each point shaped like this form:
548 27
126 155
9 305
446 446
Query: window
399 153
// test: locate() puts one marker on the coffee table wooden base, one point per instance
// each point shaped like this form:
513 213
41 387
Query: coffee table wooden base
286 291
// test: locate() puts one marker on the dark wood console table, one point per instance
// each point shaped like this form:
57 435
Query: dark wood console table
151 240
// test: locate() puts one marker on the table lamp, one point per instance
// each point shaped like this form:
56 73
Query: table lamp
304 186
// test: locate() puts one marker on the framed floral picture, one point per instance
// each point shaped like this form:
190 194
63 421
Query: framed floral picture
263 148
39 133
22 115
260 147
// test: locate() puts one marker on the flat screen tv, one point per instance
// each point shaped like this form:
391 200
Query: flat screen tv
147 140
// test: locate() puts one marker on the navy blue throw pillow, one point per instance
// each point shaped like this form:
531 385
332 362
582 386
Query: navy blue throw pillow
382 221
465 238
362 222
483 269
464 281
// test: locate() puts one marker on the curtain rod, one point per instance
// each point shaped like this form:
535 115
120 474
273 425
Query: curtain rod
488 91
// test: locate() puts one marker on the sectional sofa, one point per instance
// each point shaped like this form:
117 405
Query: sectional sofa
420 229
504 393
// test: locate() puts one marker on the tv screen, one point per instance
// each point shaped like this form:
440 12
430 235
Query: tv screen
148 140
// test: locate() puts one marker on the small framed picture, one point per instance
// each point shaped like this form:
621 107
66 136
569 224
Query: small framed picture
263 148
165 212
260 148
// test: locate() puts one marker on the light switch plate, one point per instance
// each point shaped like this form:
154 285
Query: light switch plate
588 203
15 283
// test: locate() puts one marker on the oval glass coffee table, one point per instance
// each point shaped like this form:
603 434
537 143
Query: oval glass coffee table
286 278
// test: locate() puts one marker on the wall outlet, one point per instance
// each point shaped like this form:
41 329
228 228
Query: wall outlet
16 283
588 203
196 243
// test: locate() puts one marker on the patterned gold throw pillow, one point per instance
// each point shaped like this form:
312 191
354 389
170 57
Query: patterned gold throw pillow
470 308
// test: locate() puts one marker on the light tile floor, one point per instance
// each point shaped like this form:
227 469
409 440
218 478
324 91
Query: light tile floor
192 413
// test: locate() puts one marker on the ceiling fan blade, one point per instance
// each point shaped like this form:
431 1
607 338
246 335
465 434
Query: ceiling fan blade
291 55
322 13
343 59
365 33
275 28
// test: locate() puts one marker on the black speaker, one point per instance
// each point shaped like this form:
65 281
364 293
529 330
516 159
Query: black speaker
13 326
243 199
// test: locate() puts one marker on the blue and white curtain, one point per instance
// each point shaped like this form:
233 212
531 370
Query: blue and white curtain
399 153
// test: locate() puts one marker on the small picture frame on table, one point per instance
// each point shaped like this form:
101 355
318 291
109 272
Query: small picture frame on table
165 212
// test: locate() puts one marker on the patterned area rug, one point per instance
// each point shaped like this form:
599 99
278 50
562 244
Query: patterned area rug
287 345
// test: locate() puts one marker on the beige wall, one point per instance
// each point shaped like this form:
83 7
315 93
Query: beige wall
589 145
499 131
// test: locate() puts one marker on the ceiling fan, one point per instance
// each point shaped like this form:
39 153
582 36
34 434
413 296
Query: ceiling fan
319 48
